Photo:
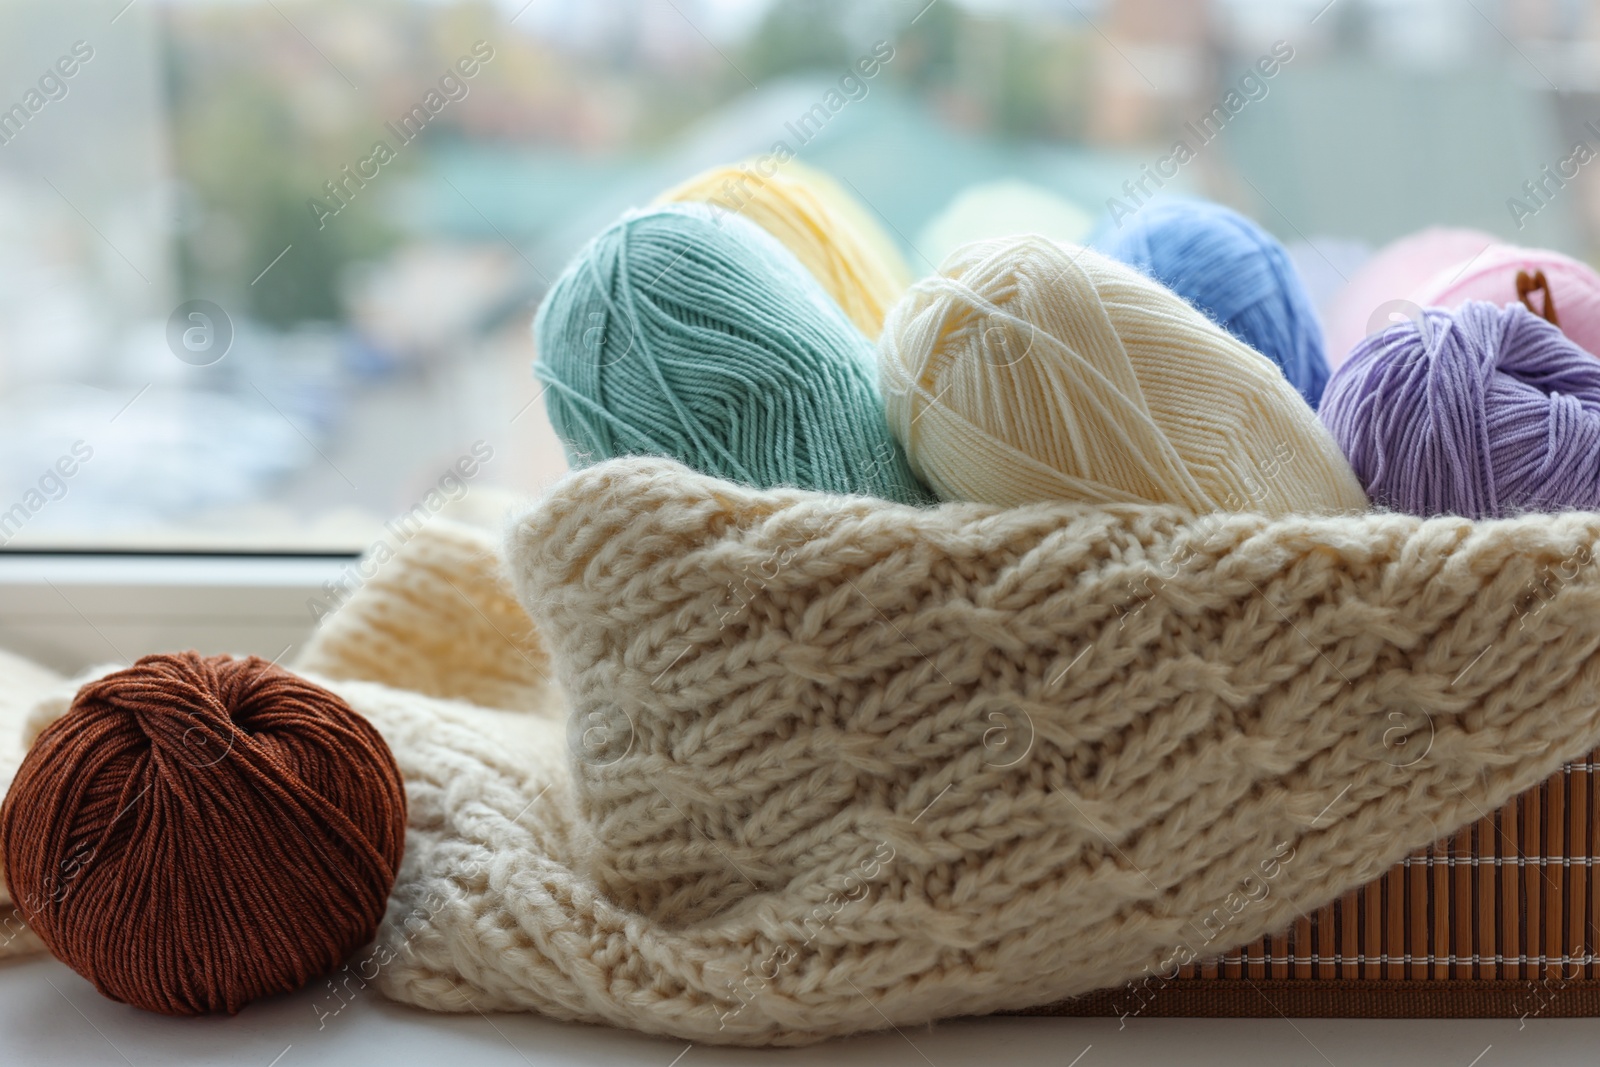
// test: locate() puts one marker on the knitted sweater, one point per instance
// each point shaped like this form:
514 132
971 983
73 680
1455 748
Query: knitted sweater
831 764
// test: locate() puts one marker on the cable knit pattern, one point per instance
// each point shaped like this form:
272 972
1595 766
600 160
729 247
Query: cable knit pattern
838 763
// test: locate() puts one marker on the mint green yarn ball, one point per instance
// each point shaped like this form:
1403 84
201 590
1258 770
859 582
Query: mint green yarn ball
685 332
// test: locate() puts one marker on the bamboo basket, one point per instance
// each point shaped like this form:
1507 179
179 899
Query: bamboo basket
1497 920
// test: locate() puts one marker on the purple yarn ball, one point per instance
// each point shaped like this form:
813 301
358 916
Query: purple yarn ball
1483 412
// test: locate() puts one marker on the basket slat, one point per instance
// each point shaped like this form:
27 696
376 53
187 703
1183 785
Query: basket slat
1507 906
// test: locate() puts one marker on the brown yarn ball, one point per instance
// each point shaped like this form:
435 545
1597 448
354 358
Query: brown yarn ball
197 832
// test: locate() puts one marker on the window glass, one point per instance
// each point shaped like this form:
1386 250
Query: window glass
267 269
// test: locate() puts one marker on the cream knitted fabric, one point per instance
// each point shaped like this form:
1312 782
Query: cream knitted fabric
838 763
477 645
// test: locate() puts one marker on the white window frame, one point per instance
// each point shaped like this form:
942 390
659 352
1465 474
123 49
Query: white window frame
70 610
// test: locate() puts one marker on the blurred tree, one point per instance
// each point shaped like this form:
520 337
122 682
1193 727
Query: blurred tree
926 52
1008 76
250 164
1041 86
800 35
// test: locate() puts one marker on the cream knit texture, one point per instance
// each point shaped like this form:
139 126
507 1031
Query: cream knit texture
832 764
474 621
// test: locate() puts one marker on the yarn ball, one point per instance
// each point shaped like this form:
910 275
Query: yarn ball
1552 285
1235 272
691 334
196 832
1030 371
832 236
1482 412
1373 298
1001 209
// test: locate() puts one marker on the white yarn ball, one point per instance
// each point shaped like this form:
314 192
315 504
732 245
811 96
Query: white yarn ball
1028 371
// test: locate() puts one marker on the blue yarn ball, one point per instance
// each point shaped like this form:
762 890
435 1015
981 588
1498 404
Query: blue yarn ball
1234 272
684 332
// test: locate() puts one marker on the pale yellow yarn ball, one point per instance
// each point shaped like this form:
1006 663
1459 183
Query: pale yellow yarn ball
1028 371
826 228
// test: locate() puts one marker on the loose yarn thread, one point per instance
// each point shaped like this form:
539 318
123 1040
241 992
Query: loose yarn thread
198 832
693 334
1527 285
1029 371
1484 412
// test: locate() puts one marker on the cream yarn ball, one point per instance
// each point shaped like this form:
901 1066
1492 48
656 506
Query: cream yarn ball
1027 371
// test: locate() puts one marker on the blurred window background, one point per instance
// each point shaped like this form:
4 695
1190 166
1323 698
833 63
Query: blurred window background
267 269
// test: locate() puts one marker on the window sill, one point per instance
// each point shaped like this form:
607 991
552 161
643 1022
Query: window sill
69 611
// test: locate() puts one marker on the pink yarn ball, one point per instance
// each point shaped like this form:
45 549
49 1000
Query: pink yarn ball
1573 287
1392 275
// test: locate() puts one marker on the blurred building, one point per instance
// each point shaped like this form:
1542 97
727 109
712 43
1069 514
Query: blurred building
1153 56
